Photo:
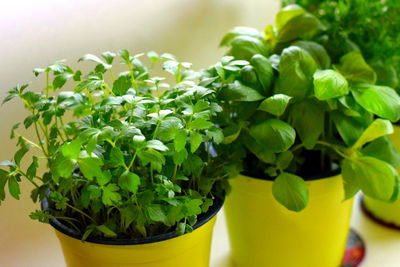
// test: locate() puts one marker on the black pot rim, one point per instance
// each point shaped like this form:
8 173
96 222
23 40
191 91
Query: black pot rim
324 175
61 227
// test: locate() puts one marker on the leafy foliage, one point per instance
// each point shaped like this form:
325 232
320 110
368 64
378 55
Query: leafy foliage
369 26
299 110
134 159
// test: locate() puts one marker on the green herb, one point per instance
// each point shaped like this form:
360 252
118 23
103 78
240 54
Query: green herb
128 155
370 26
290 114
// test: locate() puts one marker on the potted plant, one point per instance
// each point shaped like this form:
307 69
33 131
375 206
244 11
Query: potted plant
300 132
128 163
372 27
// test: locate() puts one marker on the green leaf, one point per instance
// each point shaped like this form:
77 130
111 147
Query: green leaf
180 157
156 213
376 129
329 84
354 68
195 140
244 47
13 187
21 153
286 14
110 195
121 85
72 149
259 150
291 191
106 231
216 134
180 140
317 51
169 127
129 181
379 100
298 27
284 159
231 133
31 171
200 124
61 79
275 104
308 119
376 178
117 157
383 149
296 70
63 167
350 183
90 167
386 74
108 56
157 145
237 91
264 71
240 31
3 181
274 134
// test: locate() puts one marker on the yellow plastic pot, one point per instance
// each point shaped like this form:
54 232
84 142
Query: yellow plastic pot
264 233
168 250
386 212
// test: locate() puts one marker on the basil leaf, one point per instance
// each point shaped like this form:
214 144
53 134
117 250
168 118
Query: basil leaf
274 135
354 68
376 178
375 130
291 191
296 69
379 100
275 104
329 84
286 14
308 119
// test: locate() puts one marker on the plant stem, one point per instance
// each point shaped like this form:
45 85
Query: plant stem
81 212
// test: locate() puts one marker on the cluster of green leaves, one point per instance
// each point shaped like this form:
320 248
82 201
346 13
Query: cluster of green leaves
289 113
371 26
134 158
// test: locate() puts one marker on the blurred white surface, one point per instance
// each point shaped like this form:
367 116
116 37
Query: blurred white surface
37 33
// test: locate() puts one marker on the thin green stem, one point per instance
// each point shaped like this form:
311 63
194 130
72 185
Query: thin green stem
81 212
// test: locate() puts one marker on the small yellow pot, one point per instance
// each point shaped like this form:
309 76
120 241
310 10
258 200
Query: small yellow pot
386 212
168 250
264 233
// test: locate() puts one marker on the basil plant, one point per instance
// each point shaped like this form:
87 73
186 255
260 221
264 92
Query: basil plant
292 113
370 26
126 155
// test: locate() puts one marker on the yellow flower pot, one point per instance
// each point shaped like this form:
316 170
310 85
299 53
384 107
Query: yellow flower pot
264 233
167 250
386 212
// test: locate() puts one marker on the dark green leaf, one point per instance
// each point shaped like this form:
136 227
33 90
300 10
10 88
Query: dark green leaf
296 70
308 120
129 181
239 92
274 135
354 68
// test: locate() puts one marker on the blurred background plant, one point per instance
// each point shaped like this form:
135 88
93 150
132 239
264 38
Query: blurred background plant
371 26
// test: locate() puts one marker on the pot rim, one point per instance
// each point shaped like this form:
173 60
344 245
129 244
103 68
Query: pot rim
324 175
63 228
